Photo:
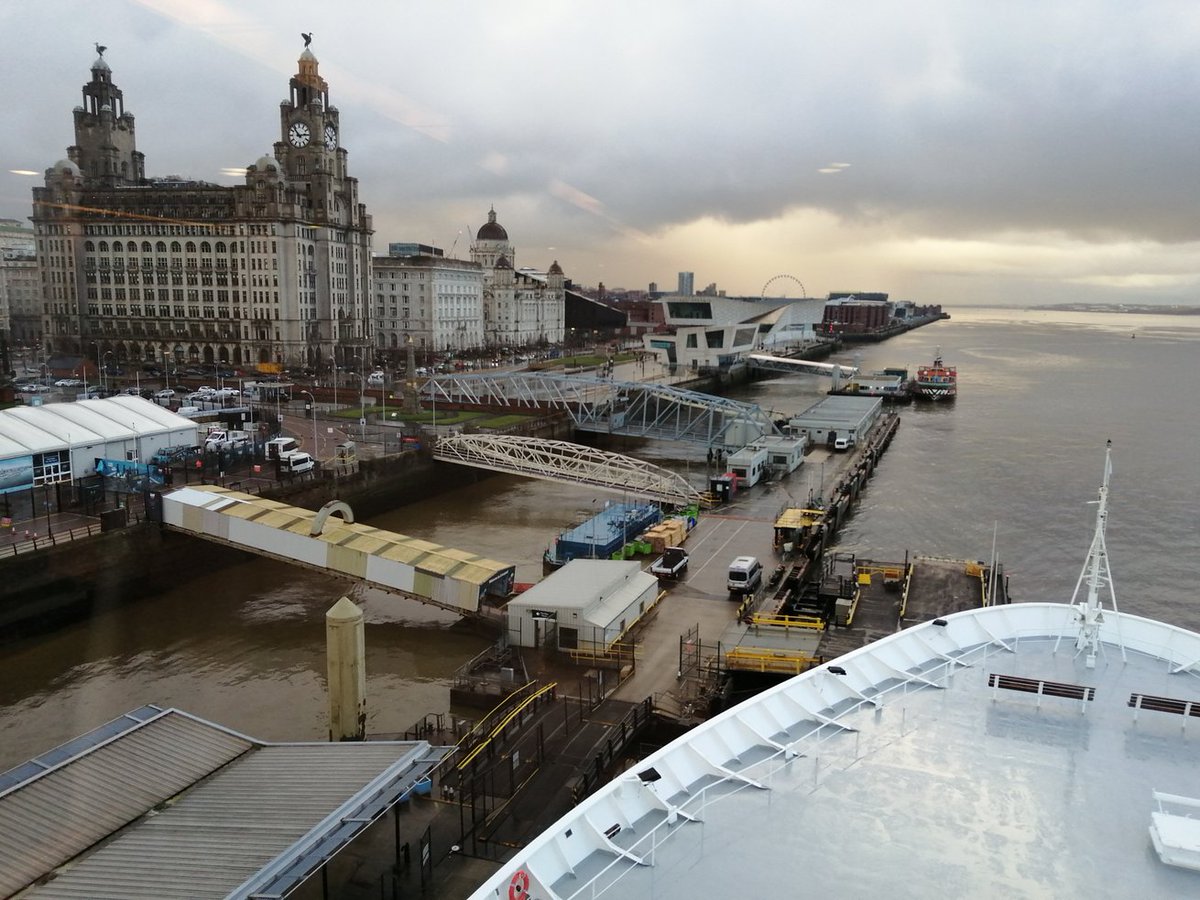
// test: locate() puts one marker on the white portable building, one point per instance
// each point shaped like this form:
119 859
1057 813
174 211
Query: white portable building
588 603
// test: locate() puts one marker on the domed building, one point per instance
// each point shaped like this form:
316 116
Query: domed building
521 307
268 274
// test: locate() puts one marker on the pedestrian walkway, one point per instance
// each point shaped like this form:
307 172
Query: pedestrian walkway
27 535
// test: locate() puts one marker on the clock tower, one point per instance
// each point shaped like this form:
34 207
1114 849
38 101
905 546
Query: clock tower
310 136
105 149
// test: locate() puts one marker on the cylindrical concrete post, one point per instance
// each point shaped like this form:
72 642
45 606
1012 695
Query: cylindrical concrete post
346 654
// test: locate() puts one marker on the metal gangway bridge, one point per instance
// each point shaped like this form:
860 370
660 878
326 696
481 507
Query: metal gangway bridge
600 405
562 461
767 362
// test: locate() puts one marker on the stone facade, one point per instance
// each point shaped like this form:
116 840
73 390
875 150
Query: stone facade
521 307
435 300
274 273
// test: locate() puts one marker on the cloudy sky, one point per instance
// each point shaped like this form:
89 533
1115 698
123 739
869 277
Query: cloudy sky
956 152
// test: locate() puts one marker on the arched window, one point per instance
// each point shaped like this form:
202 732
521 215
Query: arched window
220 246
89 246
205 247
175 247
160 247
104 246
191 246
146 246
131 247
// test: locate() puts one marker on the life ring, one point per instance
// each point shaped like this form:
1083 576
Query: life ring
518 888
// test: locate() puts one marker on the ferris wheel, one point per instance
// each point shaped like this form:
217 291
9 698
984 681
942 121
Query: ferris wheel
771 281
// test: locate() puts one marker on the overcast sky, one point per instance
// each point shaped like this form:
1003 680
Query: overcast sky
954 152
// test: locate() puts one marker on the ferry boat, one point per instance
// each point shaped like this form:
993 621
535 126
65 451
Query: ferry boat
936 382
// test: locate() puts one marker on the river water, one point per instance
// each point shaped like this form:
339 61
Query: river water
1017 458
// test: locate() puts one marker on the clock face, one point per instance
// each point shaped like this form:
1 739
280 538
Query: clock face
330 137
299 134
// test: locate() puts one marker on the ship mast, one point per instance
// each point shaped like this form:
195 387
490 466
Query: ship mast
1089 613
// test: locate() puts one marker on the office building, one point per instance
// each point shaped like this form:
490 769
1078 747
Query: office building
273 273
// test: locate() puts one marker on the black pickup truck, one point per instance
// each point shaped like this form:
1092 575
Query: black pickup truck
671 564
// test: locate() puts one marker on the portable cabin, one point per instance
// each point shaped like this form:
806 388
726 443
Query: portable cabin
586 605
749 464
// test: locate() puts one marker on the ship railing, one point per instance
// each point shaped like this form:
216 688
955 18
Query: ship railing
693 808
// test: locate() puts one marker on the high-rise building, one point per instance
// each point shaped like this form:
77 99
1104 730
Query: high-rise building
521 307
687 284
272 273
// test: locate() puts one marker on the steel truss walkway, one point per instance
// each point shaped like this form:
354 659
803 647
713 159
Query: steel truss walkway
788 364
562 461
630 408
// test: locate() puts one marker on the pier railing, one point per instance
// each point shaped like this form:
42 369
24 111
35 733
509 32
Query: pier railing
16 546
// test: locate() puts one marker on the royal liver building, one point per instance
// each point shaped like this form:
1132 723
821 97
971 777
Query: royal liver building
273 273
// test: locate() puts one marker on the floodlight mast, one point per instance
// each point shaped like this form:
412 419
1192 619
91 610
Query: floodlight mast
1089 613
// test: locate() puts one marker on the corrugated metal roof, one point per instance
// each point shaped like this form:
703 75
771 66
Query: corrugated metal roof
209 813
581 584
52 817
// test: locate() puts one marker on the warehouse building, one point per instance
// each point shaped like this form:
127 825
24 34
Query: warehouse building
835 417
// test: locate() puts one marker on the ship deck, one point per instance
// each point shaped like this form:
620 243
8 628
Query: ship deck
932 782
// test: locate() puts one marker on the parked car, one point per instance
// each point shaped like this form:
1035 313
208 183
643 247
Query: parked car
165 394
68 382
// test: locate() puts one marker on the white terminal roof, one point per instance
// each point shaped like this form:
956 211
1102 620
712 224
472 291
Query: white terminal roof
598 589
86 423
839 411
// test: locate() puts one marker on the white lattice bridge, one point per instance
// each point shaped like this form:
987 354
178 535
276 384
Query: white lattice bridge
564 461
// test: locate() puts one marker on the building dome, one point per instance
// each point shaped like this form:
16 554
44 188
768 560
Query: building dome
492 230
502 262
555 268
100 65
268 164
67 167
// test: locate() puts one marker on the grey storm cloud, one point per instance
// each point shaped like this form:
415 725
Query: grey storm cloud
947 119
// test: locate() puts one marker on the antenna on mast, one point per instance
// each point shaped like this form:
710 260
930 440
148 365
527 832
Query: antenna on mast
1089 613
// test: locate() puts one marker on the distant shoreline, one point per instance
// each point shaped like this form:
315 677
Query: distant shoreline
1123 308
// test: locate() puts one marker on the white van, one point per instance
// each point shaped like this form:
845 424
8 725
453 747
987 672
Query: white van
745 575
279 447
843 442
296 463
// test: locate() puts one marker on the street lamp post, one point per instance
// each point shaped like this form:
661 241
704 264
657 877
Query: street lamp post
313 401
103 372
333 362
362 398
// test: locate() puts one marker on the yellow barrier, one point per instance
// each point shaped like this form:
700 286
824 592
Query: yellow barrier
493 710
746 660
810 622
504 722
